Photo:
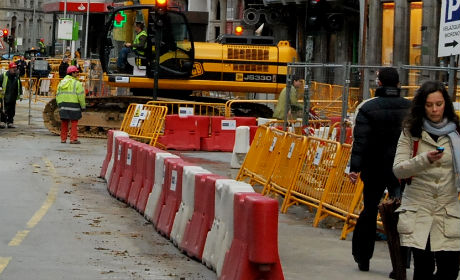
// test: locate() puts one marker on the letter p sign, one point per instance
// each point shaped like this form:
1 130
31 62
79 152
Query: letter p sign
452 10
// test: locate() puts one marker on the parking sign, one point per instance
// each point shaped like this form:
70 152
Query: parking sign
449 28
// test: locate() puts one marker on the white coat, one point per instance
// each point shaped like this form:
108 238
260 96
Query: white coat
430 205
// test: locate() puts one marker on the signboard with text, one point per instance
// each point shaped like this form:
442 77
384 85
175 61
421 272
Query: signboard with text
449 28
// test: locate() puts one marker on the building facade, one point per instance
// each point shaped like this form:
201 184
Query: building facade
26 22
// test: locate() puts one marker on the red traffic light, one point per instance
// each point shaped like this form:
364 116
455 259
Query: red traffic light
5 34
239 30
161 3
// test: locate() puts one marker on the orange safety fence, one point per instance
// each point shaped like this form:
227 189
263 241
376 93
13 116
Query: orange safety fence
144 122
47 88
230 103
292 152
319 161
29 86
193 108
248 168
341 197
307 170
316 127
259 168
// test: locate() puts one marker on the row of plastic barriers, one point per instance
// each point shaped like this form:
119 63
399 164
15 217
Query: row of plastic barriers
221 222
203 133
308 170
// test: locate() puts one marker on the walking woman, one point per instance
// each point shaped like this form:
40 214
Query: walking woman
429 153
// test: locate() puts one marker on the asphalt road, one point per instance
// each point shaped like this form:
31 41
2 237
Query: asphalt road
57 220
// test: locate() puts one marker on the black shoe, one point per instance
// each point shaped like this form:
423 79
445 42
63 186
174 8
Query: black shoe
10 125
363 265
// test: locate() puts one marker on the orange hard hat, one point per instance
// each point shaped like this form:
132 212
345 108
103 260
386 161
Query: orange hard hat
71 69
12 65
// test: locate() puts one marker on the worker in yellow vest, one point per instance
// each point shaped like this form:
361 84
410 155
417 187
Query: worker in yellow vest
138 46
70 98
42 47
10 92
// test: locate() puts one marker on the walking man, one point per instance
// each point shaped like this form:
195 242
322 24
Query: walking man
10 92
70 98
376 134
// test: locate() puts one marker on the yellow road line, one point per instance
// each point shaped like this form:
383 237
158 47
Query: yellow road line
18 238
50 199
4 263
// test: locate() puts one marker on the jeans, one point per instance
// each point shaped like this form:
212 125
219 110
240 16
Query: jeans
122 57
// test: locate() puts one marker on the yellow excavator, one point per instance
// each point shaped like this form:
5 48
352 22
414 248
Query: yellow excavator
233 63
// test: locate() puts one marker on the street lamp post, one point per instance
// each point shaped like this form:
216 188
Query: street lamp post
64 42
86 30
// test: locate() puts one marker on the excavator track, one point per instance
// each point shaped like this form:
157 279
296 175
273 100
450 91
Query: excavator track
105 113
101 115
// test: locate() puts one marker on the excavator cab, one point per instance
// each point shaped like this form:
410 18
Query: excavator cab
133 36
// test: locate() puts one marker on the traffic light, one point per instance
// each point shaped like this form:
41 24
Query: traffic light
239 30
162 5
334 21
11 40
314 13
5 35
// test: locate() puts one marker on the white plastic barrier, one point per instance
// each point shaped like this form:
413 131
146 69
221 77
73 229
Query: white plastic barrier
154 196
220 237
241 147
116 134
187 205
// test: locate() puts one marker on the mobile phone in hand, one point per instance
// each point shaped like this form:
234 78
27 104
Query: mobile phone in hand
440 149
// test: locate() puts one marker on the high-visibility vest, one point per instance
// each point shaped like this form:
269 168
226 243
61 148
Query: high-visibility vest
136 41
5 82
42 47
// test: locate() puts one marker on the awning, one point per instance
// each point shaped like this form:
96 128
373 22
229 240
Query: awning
75 6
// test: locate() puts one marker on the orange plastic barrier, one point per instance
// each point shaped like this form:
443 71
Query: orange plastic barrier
138 173
172 195
119 164
253 253
184 133
203 215
126 178
148 179
222 136
108 156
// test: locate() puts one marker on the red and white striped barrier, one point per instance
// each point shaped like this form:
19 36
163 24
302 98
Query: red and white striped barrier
221 222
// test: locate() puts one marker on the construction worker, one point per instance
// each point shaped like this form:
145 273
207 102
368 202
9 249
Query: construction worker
42 47
10 92
138 46
70 98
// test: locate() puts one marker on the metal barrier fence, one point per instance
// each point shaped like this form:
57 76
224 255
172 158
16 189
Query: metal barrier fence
144 122
306 170
336 90
197 108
